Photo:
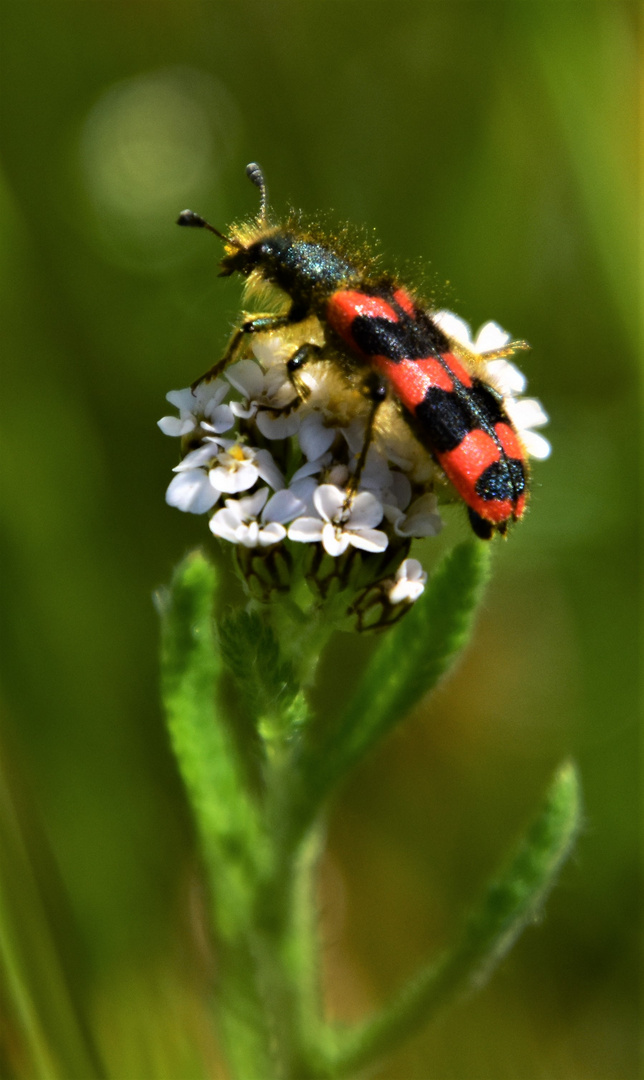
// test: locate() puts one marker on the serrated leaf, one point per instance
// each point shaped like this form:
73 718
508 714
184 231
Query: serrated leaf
225 815
266 680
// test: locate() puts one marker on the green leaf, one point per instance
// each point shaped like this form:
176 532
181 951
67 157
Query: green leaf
511 901
233 844
409 662
225 815
420 649
266 680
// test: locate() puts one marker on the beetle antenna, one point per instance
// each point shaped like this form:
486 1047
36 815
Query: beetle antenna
188 217
256 177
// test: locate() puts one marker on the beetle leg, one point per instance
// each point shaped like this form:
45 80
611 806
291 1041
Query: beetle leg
254 324
376 389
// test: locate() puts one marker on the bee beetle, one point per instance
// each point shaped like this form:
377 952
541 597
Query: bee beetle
376 324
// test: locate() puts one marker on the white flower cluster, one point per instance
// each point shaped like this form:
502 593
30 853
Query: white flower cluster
271 494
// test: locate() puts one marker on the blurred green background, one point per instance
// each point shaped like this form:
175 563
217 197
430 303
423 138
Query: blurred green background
495 143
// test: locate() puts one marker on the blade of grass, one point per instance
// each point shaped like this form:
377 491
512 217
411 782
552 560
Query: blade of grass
40 1002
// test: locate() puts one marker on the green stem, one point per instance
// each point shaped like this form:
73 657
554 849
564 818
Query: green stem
242 1012
233 845
286 942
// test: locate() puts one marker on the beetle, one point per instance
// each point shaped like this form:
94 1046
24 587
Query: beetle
378 326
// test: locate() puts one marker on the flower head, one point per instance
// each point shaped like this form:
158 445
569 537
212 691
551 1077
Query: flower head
409 582
200 407
343 519
252 521
287 456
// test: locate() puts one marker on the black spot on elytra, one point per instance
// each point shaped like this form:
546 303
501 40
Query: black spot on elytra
379 337
444 420
504 479
402 340
487 404
447 416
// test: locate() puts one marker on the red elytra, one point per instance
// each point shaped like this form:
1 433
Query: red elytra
457 415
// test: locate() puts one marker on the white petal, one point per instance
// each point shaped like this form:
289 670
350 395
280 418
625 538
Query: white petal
490 337
234 522
454 327
334 542
315 438
271 534
205 396
304 490
243 412
191 492
410 582
210 392
231 444
421 526
527 413
250 506
422 518
248 535
536 445
506 377
310 469
276 425
354 434
405 590
268 470
306 529
241 477
368 539
284 506
182 399
278 388
203 455
328 501
376 475
366 511
247 377
173 425
226 524
393 514
398 593
221 418
213 390
412 570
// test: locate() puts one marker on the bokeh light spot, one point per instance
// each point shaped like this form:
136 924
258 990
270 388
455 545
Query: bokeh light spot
150 145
